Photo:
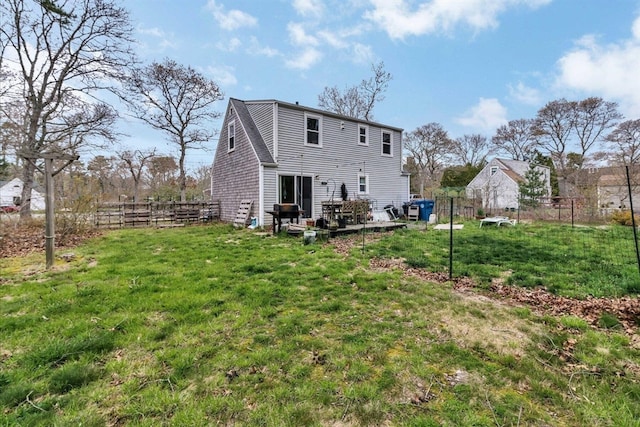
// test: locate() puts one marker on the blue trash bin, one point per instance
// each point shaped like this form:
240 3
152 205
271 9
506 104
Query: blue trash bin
426 208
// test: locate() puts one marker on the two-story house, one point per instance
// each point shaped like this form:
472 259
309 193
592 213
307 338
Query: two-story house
274 152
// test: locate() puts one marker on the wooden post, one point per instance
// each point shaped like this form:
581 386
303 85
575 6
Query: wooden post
50 229
49 173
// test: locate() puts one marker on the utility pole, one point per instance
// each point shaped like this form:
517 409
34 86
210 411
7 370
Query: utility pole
49 173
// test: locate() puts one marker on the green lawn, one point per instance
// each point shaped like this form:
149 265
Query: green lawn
201 326
577 262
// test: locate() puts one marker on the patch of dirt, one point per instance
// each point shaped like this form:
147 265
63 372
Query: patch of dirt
625 309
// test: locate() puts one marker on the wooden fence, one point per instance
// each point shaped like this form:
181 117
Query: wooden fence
115 215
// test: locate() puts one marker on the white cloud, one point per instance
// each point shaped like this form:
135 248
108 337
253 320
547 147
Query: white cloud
333 39
486 116
362 54
229 46
400 19
307 8
305 60
165 40
525 94
232 19
256 48
609 71
299 37
156 32
223 75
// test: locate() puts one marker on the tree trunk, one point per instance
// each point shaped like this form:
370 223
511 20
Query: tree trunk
25 200
182 179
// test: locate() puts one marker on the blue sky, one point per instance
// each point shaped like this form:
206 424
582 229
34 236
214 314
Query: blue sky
470 65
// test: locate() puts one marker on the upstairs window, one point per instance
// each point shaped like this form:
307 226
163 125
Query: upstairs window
313 130
387 142
232 136
363 135
494 169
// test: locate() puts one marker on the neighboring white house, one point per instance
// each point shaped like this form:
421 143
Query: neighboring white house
272 152
613 190
497 185
11 192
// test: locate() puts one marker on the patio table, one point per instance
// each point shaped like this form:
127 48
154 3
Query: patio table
497 220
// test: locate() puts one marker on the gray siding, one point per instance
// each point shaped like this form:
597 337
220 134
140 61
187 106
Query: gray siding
341 159
270 191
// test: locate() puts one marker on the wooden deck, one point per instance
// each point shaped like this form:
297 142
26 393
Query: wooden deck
373 226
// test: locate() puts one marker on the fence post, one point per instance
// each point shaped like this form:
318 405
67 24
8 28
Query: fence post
633 218
451 239
571 213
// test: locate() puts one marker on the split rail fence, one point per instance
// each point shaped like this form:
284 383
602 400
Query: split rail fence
117 215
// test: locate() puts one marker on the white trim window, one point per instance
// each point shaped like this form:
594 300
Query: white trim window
313 130
387 143
363 135
231 136
494 170
363 183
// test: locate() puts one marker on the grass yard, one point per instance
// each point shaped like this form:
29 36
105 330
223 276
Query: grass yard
576 262
210 325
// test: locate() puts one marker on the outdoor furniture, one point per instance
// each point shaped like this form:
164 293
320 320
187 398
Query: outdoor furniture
345 211
348 211
284 211
497 220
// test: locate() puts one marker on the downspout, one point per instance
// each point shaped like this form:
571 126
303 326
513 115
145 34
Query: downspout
261 195
275 131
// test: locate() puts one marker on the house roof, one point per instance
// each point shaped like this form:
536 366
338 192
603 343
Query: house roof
513 175
255 138
297 106
517 166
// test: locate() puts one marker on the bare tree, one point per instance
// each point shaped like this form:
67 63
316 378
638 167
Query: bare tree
516 138
553 125
135 161
178 101
428 146
592 117
625 143
9 136
62 55
357 101
471 149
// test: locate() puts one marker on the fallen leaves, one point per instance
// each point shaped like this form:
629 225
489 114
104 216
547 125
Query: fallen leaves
625 309
17 241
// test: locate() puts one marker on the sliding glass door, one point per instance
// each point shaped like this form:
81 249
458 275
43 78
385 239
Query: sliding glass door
299 190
